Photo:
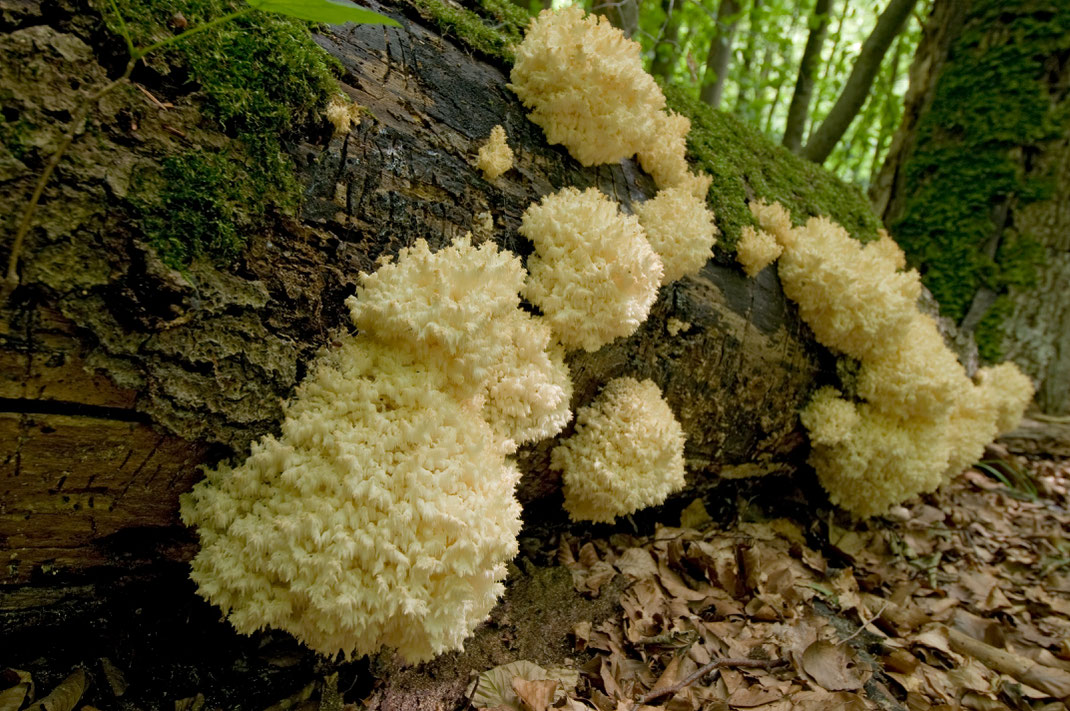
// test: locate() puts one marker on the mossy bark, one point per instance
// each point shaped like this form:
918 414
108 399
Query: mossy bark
975 185
123 374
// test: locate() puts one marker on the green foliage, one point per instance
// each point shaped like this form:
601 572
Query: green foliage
767 52
991 109
262 80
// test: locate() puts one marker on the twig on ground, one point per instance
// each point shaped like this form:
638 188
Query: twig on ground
703 671
865 623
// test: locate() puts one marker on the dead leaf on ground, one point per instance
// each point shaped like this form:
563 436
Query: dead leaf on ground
535 695
494 688
65 696
831 666
18 686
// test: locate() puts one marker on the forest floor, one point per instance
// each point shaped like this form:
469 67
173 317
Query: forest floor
958 600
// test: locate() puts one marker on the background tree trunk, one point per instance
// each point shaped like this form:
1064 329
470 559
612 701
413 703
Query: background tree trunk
979 200
804 85
720 53
623 14
855 91
667 49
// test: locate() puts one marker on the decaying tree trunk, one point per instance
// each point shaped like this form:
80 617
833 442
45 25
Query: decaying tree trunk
120 376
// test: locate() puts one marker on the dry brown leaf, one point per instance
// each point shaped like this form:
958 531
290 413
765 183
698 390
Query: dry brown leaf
831 666
494 688
668 677
637 563
65 696
695 515
753 695
534 695
18 687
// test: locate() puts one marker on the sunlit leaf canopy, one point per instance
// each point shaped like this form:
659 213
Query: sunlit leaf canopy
335 12
767 47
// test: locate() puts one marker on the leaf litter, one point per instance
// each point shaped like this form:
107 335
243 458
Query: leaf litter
959 600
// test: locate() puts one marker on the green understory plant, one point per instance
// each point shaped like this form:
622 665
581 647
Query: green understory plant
326 11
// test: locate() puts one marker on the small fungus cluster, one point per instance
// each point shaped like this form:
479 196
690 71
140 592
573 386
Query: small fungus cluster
914 418
495 156
627 453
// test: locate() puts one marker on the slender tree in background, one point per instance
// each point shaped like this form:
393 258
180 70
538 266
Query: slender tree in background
831 68
890 109
667 48
798 11
804 84
720 53
976 186
745 96
623 14
860 81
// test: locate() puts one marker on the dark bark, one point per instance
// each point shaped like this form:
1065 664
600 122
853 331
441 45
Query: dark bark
804 84
855 91
720 54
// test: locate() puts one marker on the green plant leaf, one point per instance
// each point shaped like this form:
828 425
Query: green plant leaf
333 12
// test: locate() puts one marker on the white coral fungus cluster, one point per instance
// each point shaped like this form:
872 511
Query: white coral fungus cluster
627 453
584 83
384 515
585 86
495 156
757 249
593 274
680 229
915 417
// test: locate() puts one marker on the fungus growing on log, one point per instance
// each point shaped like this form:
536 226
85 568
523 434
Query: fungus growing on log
920 419
680 229
495 156
384 514
627 453
593 274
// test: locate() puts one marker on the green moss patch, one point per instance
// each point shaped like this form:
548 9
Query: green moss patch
262 79
993 107
746 165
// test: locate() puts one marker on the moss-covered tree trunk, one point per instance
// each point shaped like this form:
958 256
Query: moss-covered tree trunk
975 187
137 349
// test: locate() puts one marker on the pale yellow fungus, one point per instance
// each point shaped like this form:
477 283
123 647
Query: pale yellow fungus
921 419
343 114
584 84
680 229
384 514
756 250
495 156
627 453
594 275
